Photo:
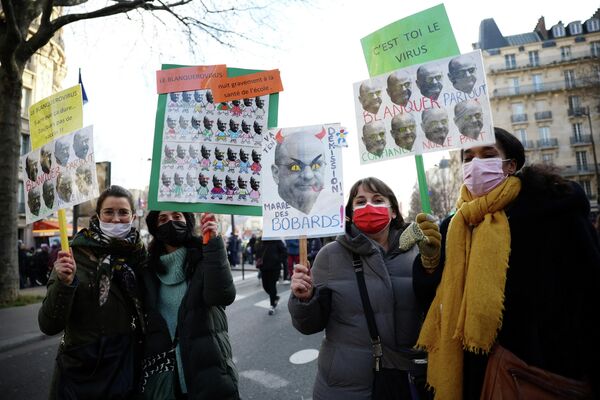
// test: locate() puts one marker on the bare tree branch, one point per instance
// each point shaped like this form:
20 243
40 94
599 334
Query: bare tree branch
47 12
13 33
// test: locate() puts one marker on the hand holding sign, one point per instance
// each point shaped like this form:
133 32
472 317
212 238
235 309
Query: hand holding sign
65 267
301 285
209 227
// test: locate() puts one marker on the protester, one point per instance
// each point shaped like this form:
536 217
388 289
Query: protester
22 254
234 244
328 297
40 262
187 285
273 255
520 287
314 245
293 257
93 297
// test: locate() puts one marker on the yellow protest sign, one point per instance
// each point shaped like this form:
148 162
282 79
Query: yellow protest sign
55 116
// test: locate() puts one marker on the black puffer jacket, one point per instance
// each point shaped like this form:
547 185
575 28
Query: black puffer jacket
201 323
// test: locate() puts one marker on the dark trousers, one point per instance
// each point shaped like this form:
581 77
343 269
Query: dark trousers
291 260
269 283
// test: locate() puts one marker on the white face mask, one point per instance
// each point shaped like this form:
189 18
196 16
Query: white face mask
117 231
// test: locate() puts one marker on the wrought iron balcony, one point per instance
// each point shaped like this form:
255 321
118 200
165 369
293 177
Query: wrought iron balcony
574 170
528 144
577 111
547 143
518 118
523 62
543 115
580 140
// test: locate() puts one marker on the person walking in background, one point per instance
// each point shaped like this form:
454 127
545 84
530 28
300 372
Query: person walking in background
22 253
186 286
250 248
273 257
93 298
293 258
40 261
516 312
370 273
233 249
314 245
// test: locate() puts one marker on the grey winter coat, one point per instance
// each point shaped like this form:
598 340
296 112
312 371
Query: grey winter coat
345 364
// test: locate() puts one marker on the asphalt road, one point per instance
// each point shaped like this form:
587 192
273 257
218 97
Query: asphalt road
274 361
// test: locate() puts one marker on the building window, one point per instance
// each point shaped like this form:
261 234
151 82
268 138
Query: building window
515 85
21 199
581 157
522 134
25 144
578 131
570 79
587 187
544 133
537 82
565 53
558 30
593 25
575 28
25 102
595 49
574 102
547 158
510 61
534 58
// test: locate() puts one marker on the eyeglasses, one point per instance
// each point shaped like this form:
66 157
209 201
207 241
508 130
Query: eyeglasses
464 72
110 213
300 166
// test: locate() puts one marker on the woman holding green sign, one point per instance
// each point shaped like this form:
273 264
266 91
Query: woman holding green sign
516 312
364 290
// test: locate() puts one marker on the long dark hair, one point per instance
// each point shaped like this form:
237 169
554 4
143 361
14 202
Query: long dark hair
537 178
374 185
157 248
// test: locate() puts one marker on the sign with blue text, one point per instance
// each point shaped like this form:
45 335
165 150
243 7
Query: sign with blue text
302 190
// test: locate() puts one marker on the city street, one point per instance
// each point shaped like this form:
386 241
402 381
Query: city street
263 347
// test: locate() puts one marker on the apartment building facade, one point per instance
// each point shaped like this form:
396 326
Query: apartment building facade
544 87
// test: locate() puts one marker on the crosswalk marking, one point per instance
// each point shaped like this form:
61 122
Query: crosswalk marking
283 296
268 380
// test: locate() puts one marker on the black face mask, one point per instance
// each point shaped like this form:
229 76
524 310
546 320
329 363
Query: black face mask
173 233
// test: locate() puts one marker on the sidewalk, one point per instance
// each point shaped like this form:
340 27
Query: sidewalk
19 324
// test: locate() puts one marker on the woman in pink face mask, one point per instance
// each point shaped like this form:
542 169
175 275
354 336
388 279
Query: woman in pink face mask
516 312
396 275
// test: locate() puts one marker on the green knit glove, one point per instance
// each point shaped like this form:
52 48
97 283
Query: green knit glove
424 232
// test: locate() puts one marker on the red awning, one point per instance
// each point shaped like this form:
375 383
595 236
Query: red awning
48 227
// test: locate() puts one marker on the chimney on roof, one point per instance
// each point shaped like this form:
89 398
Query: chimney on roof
596 14
540 28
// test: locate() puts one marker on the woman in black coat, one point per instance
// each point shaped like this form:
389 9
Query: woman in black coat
274 255
520 287
187 284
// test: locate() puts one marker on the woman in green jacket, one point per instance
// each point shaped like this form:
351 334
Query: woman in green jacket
186 286
93 298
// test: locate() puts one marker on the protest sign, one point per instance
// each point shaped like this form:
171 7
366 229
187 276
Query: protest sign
257 84
188 78
60 174
421 37
207 154
302 188
56 115
439 105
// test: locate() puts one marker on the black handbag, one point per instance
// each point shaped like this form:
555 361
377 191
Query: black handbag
104 369
387 382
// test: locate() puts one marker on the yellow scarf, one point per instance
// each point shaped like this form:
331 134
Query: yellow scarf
467 310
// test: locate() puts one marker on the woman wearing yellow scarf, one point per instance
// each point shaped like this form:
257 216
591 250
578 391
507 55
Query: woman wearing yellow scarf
519 296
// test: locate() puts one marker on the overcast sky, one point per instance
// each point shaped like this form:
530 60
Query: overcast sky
317 49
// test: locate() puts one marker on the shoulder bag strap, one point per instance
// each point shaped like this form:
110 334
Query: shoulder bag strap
370 316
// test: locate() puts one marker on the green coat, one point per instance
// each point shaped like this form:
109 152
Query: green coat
74 309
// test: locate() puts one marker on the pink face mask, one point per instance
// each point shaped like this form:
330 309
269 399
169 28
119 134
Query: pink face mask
481 175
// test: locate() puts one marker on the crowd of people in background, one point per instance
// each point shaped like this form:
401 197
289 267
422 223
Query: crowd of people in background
35 265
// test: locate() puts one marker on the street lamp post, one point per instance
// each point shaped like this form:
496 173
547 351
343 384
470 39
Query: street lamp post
589 117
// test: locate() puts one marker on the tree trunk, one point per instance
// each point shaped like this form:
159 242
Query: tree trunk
11 84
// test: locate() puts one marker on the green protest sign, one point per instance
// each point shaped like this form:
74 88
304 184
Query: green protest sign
417 39
421 37
207 155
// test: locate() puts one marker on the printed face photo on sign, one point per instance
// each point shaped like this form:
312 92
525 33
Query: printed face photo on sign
468 117
33 201
370 97
373 136
81 145
46 159
435 125
399 87
61 152
298 169
48 193
404 131
31 167
462 73
429 80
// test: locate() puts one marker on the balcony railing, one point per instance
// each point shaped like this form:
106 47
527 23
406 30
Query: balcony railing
543 115
577 111
544 87
574 170
529 144
518 118
525 62
580 140
547 143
